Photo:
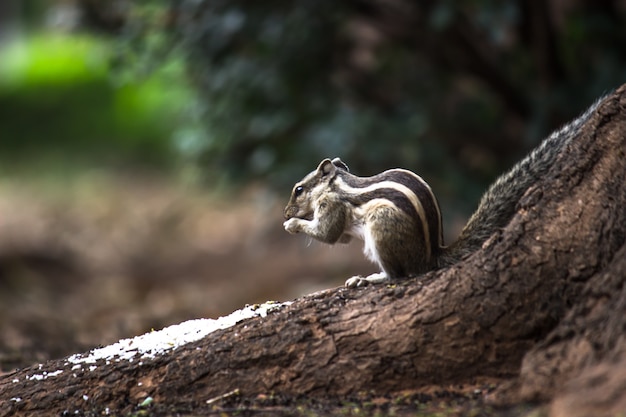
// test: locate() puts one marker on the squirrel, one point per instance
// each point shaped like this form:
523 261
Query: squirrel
397 215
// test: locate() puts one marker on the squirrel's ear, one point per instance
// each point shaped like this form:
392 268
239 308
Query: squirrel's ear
326 168
340 164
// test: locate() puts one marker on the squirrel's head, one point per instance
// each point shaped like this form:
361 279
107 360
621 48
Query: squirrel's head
307 192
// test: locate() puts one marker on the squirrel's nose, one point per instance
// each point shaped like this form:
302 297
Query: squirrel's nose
289 212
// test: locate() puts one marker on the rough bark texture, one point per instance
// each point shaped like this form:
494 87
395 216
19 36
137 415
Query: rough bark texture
542 303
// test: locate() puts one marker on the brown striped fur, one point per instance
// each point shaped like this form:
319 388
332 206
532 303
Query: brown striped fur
395 213
401 235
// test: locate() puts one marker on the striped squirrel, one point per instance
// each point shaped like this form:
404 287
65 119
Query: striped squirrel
397 215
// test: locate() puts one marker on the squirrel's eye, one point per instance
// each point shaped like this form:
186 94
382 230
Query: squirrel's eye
299 189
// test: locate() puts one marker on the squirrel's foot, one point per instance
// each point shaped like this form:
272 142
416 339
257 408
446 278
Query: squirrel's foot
358 281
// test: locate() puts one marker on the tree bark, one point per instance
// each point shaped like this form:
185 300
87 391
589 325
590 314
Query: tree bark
540 304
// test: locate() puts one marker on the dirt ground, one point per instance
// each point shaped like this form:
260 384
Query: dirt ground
439 402
98 259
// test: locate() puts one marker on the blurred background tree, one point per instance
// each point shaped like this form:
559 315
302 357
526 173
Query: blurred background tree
456 91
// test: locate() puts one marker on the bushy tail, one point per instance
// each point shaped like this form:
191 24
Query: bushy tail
499 204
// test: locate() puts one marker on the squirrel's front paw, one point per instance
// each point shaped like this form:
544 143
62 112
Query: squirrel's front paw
292 225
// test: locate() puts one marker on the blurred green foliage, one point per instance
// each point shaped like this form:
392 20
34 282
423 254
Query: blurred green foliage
455 90
60 103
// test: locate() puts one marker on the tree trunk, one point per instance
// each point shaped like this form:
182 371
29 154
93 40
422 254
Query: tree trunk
541 304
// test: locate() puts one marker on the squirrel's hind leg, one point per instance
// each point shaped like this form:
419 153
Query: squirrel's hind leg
358 281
